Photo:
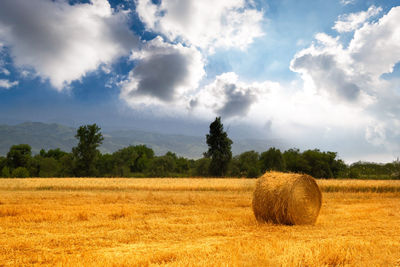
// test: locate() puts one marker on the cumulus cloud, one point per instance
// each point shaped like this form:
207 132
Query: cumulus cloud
164 73
62 42
325 72
352 21
349 72
228 97
354 74
206 24
340 99
376 46
7 84
327 67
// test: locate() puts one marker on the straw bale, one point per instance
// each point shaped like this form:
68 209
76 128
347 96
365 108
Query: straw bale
286 198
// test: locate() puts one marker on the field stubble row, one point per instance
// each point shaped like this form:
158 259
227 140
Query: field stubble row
173 224
182 184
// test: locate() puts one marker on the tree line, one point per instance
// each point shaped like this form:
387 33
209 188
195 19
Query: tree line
85 160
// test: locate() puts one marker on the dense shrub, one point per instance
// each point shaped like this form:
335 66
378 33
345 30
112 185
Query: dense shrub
20 172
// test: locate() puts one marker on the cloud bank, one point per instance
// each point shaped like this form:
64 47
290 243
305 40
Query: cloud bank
355 73
206 24
62 42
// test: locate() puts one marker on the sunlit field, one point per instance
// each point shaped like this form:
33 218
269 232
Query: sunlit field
186 222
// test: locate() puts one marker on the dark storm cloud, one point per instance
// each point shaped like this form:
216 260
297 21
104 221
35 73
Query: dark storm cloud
237 103
159 75
24 20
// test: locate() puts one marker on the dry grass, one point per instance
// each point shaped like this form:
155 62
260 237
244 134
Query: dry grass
181 184
202 222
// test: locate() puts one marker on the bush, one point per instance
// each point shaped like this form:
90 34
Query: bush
20 172
49 167
201 167
253 173
249 164
353 173
5 172
272 160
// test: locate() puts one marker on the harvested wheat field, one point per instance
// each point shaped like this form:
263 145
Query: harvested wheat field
191 222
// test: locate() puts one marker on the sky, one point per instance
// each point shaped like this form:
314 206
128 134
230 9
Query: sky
314 74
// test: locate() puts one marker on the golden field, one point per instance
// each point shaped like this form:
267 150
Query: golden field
190 222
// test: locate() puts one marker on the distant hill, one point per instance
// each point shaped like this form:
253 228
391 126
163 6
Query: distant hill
37 135
49 136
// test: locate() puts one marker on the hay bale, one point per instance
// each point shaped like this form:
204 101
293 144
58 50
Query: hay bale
286 198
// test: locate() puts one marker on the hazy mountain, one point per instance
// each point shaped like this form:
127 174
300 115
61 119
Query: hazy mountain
49 136
37 135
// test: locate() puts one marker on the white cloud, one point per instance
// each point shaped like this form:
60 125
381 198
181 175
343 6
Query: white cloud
326 67
376 134
227 96
206 24
356 70
376 46
352 21
164 74
63 42
347 2
7 84
341 101
4 71
354 74
282 111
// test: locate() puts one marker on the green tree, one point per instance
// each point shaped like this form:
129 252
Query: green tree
295 162
249 164
234 167
20 172
143 160
353 173
319 163
49 167
53 153
272 160
67 163
182 165
395 172
201 167
163 166
34 165
5 172
19 156
3 162
106 166
125 160
219 148
85 154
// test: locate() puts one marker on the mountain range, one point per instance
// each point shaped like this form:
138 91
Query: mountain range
49 136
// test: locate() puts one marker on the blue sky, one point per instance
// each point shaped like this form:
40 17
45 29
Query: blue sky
314 74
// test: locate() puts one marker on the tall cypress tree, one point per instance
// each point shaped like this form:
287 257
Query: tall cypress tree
85 154
219 148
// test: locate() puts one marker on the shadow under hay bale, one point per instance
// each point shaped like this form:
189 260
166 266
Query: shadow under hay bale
286 198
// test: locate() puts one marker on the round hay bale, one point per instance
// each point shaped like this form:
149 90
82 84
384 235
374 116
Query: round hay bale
286 198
